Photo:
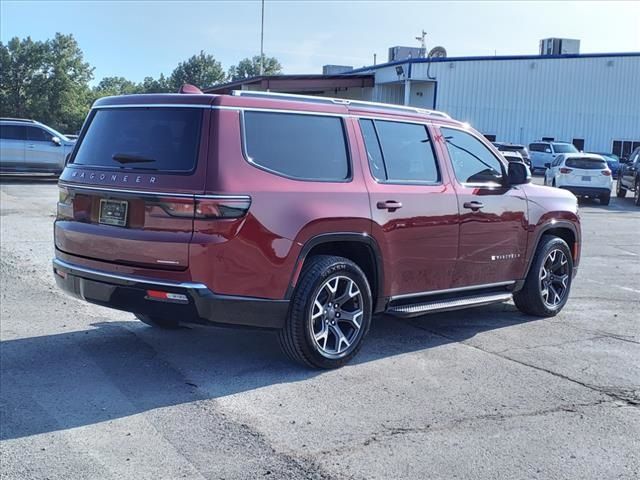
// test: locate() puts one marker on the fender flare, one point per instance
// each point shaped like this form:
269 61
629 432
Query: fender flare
552 224
363 238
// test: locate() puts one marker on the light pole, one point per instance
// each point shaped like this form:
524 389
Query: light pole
262 41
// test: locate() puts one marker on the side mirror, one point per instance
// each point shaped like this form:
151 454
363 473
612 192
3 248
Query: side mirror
56 140
547 165
624 160
518 173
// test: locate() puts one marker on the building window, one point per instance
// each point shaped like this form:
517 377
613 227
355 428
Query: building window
491 138
623 148
579 143
548 139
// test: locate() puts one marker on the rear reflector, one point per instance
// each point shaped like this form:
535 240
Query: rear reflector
167 296
565 170
60 273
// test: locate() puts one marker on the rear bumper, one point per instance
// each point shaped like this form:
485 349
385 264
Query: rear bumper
201 306
587 191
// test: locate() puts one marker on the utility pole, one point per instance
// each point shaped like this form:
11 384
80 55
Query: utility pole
262 41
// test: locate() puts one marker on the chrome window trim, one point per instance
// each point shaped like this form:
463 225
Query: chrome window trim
125 278
154 193
452 290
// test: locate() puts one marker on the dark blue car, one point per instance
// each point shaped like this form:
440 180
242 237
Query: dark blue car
613 161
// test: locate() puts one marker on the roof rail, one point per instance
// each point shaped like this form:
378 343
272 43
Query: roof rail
10 119
339 101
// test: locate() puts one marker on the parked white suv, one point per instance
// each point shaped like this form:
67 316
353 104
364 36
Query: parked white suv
27 146
583 174
541 153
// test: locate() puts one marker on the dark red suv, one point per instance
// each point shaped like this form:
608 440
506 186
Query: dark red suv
302 214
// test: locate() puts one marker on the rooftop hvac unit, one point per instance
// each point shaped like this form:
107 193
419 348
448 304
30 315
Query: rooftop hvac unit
336 69
404 53
559 46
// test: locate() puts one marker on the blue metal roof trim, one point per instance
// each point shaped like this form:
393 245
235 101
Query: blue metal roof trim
506 57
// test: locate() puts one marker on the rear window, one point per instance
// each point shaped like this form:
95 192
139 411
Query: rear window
163 139
586 163
304 147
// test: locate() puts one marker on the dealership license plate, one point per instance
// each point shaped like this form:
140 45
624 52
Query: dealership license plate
586 179
113 212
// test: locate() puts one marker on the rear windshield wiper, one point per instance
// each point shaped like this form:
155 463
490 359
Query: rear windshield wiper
128 158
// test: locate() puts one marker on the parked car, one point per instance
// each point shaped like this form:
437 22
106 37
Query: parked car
27 146
542 153
629 177
302 214
514 147
613 161
583 174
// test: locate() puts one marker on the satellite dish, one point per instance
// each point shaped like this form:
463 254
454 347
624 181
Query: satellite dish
437 52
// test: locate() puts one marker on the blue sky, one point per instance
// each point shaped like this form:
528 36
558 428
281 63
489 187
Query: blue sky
135 39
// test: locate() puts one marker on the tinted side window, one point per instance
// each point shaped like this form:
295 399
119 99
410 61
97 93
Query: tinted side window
310 147
537 147
407 152
35 134
374 153
472 161
12 132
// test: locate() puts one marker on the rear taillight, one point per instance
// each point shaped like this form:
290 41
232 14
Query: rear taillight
222 207
65 204
175 207
565 170
606 173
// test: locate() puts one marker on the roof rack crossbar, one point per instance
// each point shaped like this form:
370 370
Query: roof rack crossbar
339 101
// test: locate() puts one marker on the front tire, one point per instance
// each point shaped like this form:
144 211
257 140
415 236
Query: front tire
158 322
636 195
548 283
621 192
329 313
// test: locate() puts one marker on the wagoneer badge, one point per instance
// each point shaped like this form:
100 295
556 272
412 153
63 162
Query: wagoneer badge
114 177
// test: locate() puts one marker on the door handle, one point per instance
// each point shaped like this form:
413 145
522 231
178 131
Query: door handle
390 205
475 206
31 145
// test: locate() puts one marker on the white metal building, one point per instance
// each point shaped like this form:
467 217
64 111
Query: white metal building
592 100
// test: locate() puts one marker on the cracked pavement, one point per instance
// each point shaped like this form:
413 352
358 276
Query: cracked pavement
87 392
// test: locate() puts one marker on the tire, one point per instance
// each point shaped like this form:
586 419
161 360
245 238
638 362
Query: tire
157 322
313 325
621 192
530 299
605 199
636 195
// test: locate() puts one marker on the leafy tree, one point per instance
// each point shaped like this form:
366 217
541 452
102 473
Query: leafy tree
151 85
201 70
115 86
47 81
250 67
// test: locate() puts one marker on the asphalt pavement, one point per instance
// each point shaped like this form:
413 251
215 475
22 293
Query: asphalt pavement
91 393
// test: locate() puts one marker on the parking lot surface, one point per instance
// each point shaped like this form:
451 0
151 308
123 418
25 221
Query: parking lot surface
88 392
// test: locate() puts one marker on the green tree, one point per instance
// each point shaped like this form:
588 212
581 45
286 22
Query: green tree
250 67
201 70
47 81
115 86
21 75
151 85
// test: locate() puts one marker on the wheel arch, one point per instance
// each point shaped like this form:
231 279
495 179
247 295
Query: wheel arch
360 248
563 229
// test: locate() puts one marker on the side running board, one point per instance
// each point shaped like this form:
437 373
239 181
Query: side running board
416 309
